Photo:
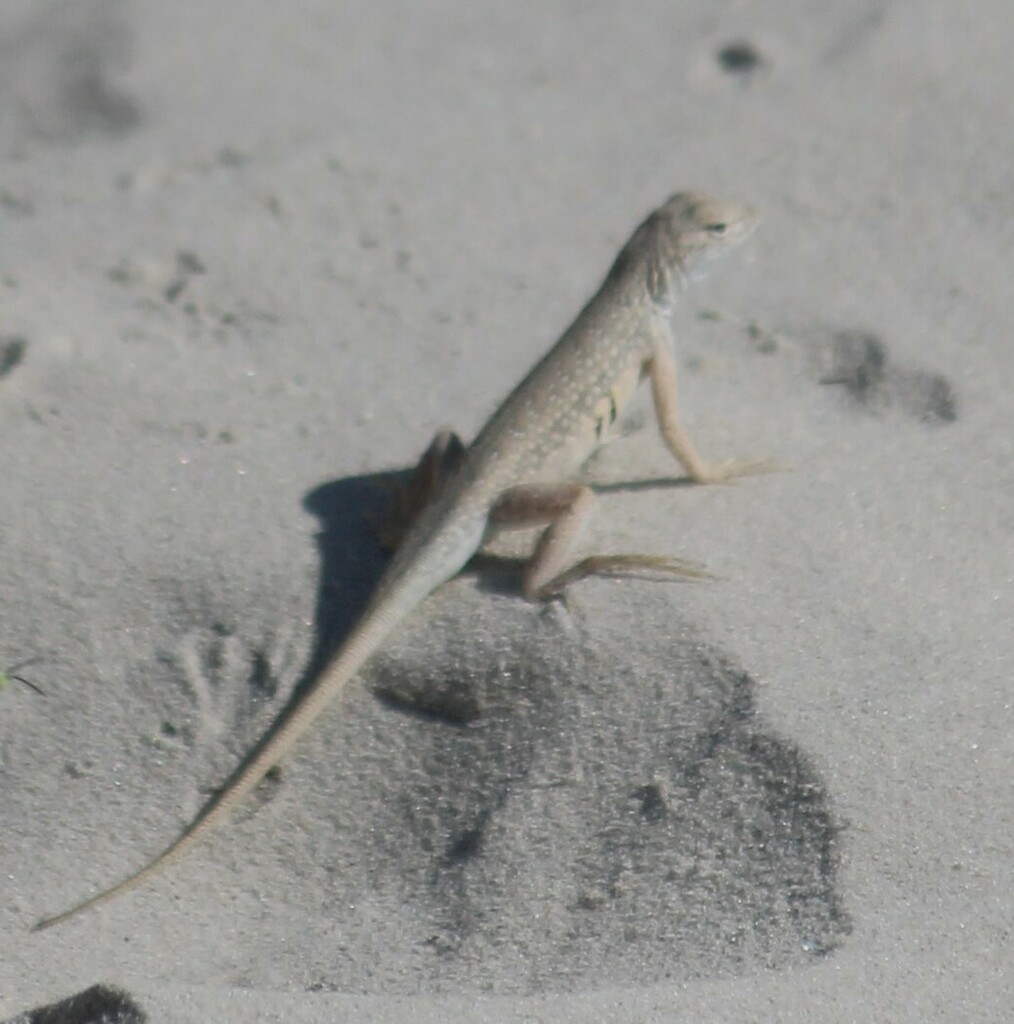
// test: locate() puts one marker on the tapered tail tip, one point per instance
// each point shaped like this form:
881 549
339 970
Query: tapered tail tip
50 922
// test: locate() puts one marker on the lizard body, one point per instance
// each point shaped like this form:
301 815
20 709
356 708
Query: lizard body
509 476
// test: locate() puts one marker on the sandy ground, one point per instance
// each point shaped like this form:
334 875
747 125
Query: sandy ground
252 260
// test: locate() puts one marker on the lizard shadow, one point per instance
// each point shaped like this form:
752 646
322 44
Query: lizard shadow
352 557
662 483
351 512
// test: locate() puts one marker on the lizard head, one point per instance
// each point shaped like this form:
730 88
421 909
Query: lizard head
679 240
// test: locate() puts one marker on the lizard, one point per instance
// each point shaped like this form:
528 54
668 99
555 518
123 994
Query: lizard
510 476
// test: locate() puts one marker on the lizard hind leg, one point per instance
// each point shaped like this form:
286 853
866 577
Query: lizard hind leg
440 459
565 509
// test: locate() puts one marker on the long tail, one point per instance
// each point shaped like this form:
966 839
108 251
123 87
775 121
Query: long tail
364 640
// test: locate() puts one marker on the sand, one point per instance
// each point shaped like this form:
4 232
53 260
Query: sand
252 259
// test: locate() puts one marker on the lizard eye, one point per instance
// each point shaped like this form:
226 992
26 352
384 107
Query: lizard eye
715 229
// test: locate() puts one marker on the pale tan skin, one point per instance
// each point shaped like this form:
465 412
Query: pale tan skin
510 475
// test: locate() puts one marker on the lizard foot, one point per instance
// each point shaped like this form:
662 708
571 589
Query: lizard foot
621 566
733 469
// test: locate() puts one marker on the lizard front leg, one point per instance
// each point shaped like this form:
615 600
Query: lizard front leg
662 373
